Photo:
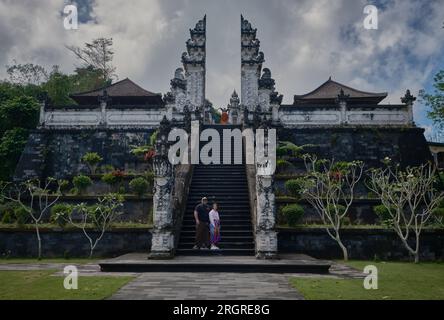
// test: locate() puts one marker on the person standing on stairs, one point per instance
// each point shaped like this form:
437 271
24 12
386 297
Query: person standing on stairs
202 225
214 227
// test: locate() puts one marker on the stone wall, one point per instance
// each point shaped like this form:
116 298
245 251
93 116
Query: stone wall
406 145
386 115
361 243
73 243
361 211
58 153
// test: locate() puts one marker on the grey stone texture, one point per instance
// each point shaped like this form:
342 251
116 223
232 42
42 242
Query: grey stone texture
15 243
58 152
362 243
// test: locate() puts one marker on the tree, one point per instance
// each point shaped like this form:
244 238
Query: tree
330 187
97 54
409 197
21 111
435 100
85 79
35 197
58 88
12 144
100 216
26 74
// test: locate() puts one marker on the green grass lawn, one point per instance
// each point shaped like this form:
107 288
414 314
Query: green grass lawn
46 260
40 285
397 280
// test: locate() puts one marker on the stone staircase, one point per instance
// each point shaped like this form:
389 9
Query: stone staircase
227 185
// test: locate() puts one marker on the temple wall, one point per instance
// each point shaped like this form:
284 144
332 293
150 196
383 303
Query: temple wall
366 244
109 117
58 153
318 116
370 144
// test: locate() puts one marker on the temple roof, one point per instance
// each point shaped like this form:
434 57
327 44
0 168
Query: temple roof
328 93
121 92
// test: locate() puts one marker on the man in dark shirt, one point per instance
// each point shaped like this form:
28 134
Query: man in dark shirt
202 224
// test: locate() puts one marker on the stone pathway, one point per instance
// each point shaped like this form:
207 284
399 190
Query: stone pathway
197 286
208 286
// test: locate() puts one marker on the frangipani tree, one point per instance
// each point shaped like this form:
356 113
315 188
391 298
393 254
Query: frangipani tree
95 220
36 197
409 197
330 187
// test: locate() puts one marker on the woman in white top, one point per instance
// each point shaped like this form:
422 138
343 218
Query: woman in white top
214 227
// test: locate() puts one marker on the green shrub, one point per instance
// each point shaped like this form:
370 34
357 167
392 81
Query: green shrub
438 214
110 179
13 213
21 215
60 213
64 186
8 218
153 138
107 168
292 213
293 187
383 213
7 212
92 159
346 221
139 186
288 149
81 182
283 165
149 176
331 209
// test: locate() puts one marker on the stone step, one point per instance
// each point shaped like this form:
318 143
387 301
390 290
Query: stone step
226 233
223 216
224 252
249 228
224 260
224 239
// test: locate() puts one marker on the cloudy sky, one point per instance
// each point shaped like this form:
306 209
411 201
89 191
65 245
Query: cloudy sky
304 41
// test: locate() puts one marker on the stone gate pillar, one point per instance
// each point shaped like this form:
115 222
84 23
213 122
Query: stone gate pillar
408 100
162 242
266 235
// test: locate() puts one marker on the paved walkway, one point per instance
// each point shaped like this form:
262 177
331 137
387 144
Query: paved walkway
210 286
193 286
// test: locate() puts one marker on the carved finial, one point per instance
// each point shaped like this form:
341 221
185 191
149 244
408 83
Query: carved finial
342 96
195 53
250 53
408 98
178 74
266 73
200 27
246 27
234 101
266 82
104 98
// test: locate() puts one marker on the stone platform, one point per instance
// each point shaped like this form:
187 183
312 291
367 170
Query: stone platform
287 263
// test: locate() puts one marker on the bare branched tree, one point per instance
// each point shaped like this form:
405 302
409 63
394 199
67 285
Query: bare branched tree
409 197
95 220
330 187
26 74
35 197
98 54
